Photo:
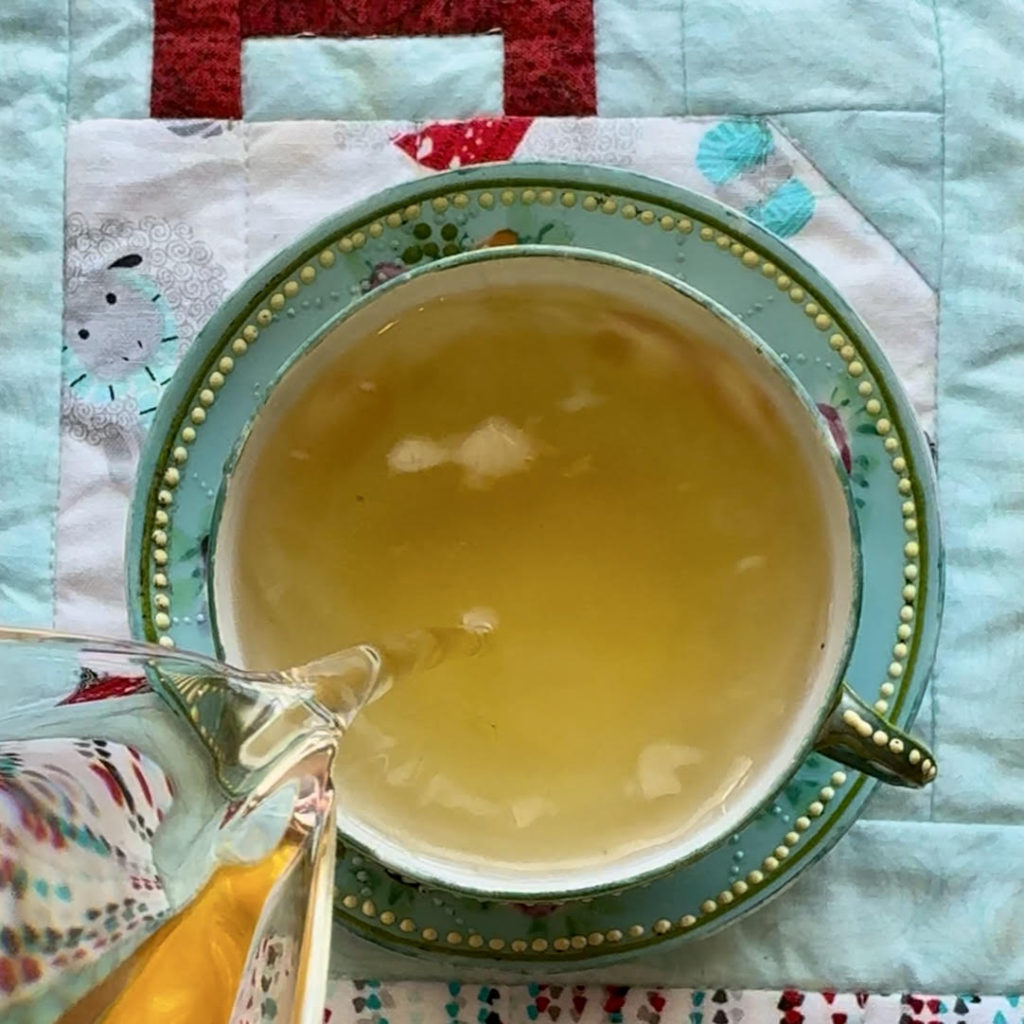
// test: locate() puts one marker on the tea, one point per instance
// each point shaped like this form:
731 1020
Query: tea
191 968
631 502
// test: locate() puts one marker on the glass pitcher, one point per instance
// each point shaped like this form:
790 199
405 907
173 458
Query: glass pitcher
129 777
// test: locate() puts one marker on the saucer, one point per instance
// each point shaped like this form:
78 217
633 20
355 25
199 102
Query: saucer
294 299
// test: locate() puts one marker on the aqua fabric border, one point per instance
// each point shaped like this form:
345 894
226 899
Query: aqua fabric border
111 58
906 906
889 165
33 110
981 424
367 79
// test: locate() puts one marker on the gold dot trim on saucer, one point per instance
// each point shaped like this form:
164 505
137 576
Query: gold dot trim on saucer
393 227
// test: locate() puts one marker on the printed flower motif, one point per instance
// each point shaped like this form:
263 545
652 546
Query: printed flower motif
77 821
203 129
552 233
734 147
545 1001
651 1012
614 1001
503 236
789 1001
94 686
786 210
747 170
966 999
452 144
135 295
923 1009
427 242
838 412
381 273
838 431
117 334
536 910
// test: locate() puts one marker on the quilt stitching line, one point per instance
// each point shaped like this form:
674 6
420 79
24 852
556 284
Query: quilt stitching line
827 109
51 566
940 42
246 201
686 85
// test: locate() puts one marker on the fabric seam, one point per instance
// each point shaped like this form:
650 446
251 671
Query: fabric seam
852 108
685 112
796 144
682 28
65 134
246 198
932 683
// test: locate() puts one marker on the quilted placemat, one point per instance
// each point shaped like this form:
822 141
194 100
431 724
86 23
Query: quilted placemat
158 150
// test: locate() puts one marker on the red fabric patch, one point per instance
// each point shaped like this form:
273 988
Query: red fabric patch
197 45
363 18
197 59
460 143
549 58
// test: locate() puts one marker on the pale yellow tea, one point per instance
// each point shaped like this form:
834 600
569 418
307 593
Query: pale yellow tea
625 500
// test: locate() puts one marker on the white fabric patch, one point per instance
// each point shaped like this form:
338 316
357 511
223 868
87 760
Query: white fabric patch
203 203
300 172
155 240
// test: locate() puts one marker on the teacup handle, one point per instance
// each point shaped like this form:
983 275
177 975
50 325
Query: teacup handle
855 734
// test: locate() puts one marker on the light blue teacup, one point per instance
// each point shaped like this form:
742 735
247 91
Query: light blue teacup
833 719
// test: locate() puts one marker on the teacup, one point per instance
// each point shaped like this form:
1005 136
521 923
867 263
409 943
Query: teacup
664 763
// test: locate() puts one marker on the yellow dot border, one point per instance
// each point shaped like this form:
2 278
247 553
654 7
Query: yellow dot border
262 316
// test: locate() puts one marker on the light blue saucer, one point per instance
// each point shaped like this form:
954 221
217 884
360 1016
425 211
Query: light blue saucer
293 299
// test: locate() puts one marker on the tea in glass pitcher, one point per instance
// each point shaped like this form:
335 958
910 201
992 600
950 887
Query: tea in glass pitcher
142 834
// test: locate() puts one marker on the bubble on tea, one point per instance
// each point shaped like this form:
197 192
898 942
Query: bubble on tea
416 454
480 619
583 397
528 810
496 448
660 767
